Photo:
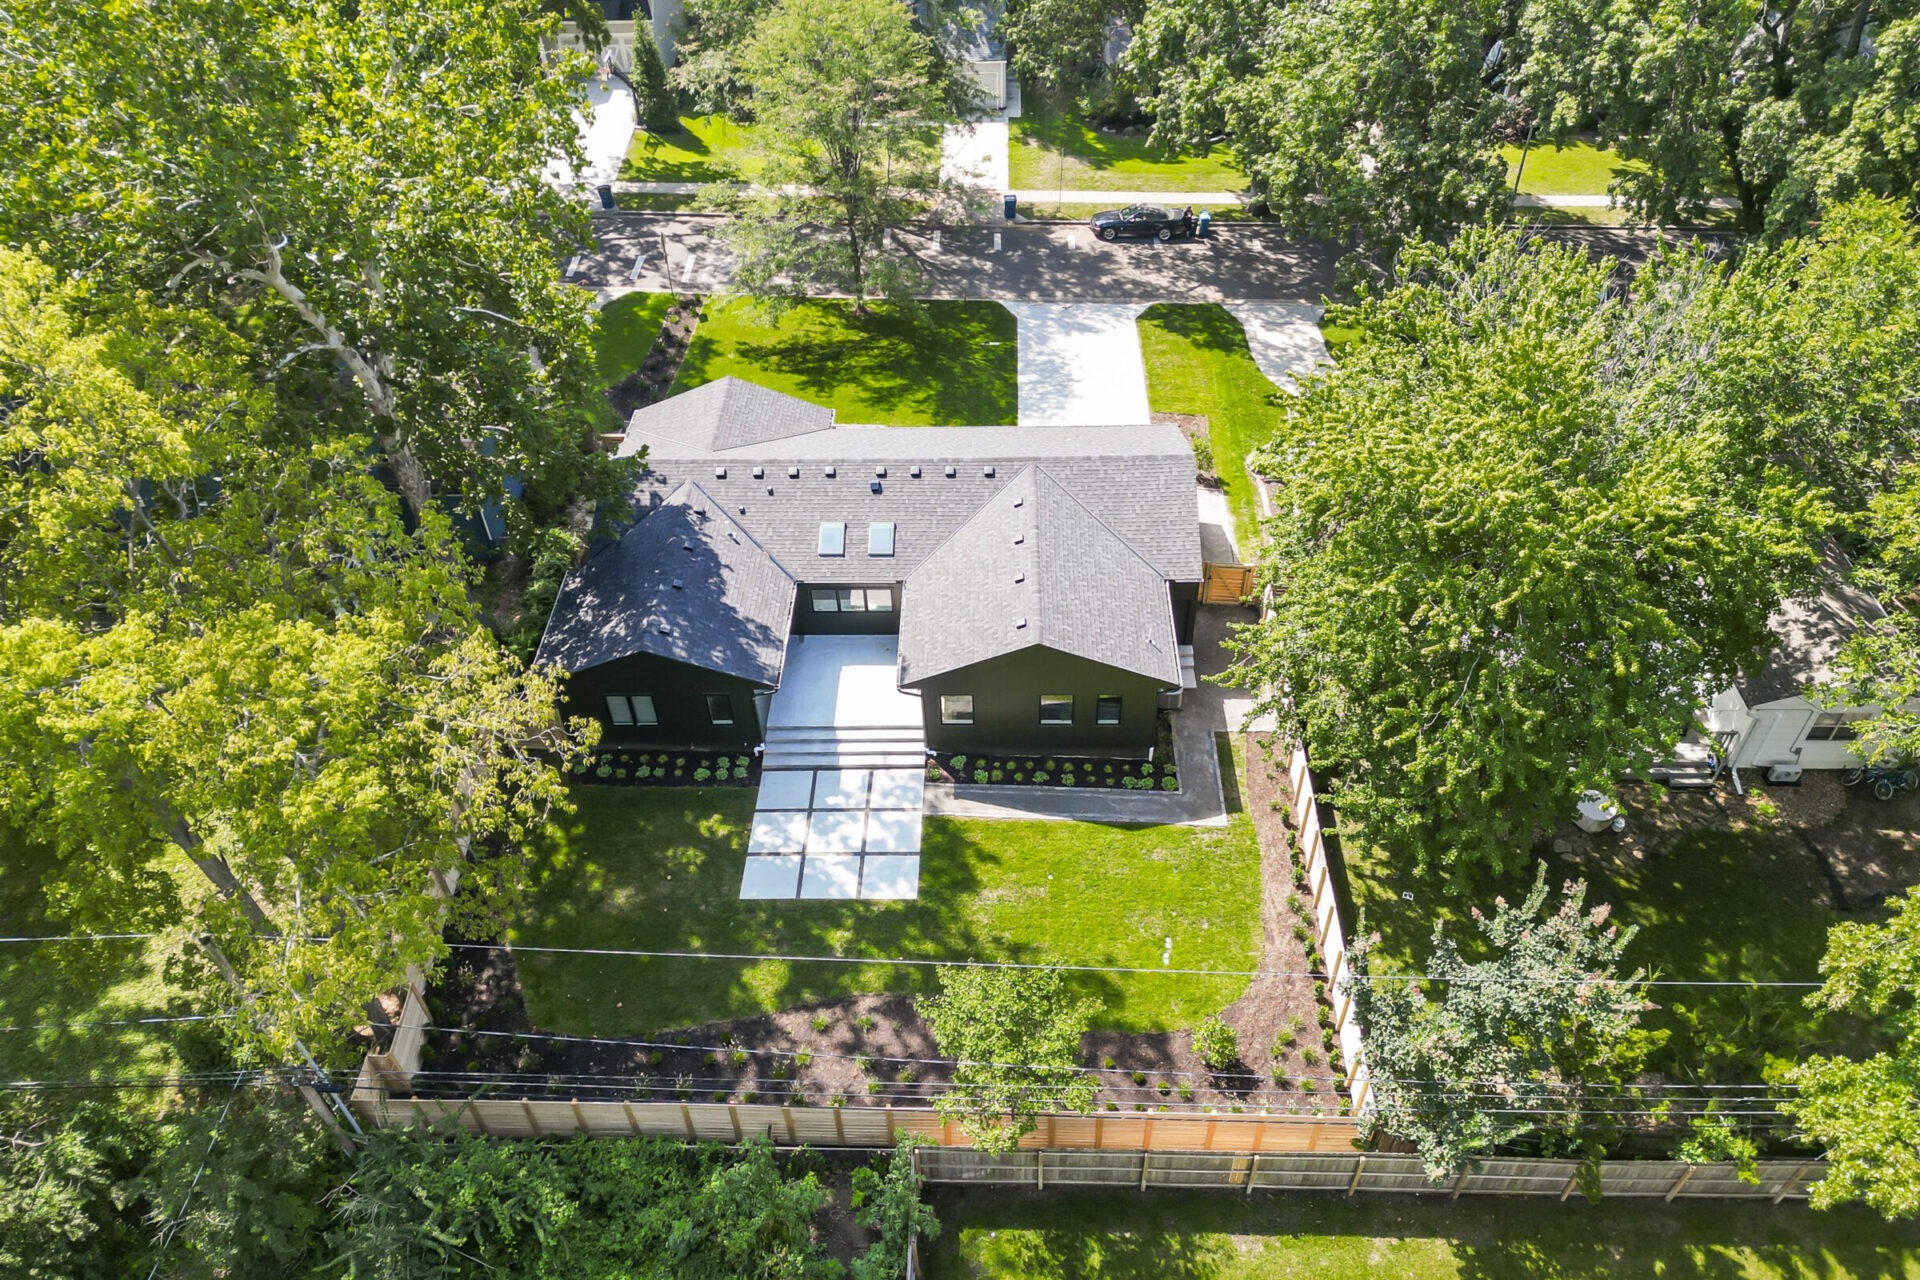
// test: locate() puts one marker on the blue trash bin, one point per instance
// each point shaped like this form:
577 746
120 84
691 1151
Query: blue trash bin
1206 221
1010 203
606 198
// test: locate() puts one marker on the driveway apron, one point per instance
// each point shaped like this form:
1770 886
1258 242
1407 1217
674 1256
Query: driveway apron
1080 364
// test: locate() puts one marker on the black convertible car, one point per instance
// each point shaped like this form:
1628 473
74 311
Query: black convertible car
1141 221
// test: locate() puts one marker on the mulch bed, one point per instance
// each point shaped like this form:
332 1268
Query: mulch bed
637 768
1086 773
651 381
1198 430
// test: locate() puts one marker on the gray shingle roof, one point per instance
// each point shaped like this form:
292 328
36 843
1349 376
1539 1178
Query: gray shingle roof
724 414
687 583
1036 566
1809 631
1139 478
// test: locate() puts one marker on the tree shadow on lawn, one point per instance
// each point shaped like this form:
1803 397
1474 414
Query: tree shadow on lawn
660 869
948 363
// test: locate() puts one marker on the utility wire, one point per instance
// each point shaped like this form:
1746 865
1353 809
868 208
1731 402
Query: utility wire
120 1022
180 1215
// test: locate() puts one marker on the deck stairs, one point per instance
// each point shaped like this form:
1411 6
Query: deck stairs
842 746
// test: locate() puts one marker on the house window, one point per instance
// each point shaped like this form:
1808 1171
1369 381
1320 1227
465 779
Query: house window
853 600
1833 726
880 599
1056 708
880 538
833 537
627 709
1106 709
956 708
720 708
826 600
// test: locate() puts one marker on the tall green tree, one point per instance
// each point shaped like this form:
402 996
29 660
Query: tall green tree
1509 1045
1015 1035
848 113
358 184
1866 1111
1789 108
1510 555
1062 44
221 643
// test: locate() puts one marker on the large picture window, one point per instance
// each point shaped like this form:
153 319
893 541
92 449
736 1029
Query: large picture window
1106 710
1056 708
720 708
630 709
853 599
956 708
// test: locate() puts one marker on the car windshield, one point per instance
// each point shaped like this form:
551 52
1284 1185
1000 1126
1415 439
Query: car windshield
1149 212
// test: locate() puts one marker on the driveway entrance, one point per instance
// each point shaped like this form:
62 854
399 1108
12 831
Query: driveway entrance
843 777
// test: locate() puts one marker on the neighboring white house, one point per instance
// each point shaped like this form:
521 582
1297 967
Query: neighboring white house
1765 720
623 18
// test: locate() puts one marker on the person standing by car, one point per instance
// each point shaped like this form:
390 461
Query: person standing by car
1186 223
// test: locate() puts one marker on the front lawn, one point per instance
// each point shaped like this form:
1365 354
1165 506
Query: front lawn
1578 169
1051 148
1715 900
1197 362
660 871
624 333
1210 1235
703 149
939 364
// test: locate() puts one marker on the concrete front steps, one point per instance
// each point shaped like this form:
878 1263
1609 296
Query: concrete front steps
845 747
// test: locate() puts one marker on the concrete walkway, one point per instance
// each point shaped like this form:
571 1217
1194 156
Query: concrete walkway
1284 338
606 124
975 154
1201 800
1080 364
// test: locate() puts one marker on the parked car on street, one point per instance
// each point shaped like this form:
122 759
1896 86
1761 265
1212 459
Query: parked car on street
1141 221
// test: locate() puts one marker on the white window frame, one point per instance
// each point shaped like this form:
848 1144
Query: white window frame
1834 726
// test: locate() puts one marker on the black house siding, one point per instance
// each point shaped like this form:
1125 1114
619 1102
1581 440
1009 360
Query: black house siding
870 623
679 696
1006 706
1186 604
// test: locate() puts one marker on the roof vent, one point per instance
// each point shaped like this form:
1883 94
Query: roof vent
759 473
830 471
950 473
873 486
1019 502
1020 625
988 472
1019 577
880 471
686 544
666 630
1019 538
678 585
793 473
769 491
915 473
719 473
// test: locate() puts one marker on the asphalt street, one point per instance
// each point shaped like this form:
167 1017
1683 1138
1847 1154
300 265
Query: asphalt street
1038 262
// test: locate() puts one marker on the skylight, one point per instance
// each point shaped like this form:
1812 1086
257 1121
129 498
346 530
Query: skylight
880 538
833 537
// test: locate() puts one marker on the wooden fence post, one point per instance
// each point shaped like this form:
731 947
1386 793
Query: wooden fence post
1253 1172
1787 1186
1460 1182
1567 1190
1040 1168
1146 1158
1679 1183
1360 1167
686 1118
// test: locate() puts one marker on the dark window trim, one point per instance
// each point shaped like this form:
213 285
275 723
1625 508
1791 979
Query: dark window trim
1099 705
1067 698
715 720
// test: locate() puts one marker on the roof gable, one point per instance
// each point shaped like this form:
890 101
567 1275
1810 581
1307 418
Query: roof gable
726 413
687 583
1036 566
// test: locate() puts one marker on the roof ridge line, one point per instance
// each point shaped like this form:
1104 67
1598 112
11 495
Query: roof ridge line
1074 498
726 515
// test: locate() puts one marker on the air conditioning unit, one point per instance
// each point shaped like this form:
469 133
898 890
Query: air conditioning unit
1783 774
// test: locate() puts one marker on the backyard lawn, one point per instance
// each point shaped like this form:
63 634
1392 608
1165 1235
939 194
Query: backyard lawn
659 870
1006 1235
1197 362
705 149
1712 904
938 364
42 985
1052 148
1578 169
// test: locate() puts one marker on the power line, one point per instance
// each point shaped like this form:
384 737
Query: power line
180 1215
915 962
83 937
119 1022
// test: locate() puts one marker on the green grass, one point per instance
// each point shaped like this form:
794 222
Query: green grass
1216 1236
1048 211
1052 148
1710 904
1197 362
705 149
933 364
660 870
625 332
45 984
1578 169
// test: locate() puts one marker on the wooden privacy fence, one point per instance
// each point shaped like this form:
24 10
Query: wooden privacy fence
1328 933
1350 1172
851 1126
1227 583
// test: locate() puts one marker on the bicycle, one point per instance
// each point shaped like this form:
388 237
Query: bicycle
1883 780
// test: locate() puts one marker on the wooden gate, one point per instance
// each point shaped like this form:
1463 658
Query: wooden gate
1227 583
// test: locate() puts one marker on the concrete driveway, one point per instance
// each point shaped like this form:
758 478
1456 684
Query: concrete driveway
1080 364
606 121
1284 338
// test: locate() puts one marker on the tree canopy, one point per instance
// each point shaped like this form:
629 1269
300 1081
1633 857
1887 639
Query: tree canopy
1016 1036
1510 1044
1514 543
359 186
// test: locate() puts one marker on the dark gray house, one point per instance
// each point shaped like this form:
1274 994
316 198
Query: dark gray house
1041 580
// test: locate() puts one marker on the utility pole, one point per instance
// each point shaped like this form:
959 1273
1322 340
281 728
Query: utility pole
328 1119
